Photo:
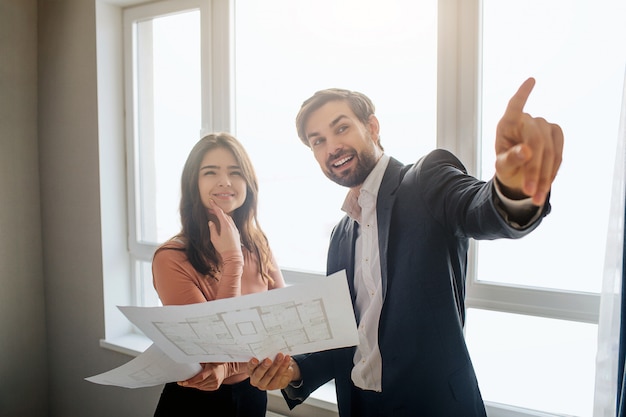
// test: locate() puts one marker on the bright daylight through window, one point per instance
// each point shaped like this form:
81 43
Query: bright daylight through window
327 44
529 350
575 51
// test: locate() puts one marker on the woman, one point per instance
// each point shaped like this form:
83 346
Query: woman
220 252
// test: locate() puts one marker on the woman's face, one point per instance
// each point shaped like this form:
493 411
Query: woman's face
220 179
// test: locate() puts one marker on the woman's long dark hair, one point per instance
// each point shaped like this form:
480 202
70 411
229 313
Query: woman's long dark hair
194 216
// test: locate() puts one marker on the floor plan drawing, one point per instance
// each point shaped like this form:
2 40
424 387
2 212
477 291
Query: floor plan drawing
152 367
297 319
253 331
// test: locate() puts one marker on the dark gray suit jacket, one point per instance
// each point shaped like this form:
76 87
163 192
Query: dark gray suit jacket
427 212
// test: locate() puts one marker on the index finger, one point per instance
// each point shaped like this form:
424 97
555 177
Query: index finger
215 208
519 99
218 212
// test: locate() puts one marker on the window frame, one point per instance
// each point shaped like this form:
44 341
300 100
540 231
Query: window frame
458 107
458 113
217 109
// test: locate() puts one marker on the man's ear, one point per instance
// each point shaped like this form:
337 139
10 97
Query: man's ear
373 126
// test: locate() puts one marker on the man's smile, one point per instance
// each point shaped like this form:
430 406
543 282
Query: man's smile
342 161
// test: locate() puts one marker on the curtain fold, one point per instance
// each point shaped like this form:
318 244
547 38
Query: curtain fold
609 398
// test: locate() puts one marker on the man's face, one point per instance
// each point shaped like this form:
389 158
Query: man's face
342 145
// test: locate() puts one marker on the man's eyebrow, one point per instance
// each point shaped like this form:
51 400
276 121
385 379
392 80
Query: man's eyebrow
335 121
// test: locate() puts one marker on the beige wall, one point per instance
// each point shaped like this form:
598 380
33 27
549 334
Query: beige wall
51 297
70 198
23 371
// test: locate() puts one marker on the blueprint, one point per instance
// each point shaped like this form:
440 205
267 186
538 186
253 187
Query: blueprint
152 367
297 319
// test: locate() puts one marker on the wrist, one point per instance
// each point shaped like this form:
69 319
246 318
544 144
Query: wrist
296 384
296 378
509 192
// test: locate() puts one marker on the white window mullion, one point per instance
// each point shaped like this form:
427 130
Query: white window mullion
148 136
565 305
218 87
458 75
130 77
143 150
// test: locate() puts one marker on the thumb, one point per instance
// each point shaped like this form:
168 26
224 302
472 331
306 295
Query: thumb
509 163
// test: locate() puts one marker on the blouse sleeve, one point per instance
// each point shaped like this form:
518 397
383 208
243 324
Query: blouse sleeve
277 275
232 270
175 284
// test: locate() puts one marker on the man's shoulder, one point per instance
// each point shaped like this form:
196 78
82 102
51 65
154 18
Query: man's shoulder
440 155
435 160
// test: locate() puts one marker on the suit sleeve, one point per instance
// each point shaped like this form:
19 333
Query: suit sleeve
316 369
465 205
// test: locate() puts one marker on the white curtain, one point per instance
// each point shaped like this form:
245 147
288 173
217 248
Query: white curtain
610 303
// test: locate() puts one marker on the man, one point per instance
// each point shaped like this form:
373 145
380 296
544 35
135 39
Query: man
403 244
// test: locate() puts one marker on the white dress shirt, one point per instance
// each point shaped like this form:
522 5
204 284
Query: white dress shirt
367 371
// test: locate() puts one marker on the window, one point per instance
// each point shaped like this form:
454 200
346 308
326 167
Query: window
164 82
174 94
440 73
386 50
545 312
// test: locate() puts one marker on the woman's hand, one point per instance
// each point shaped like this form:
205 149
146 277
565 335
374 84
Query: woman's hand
209 378
224 233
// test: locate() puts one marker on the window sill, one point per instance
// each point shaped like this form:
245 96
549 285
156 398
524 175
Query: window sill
131 344
323 398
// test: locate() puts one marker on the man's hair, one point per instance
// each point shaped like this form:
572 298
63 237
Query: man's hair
359 103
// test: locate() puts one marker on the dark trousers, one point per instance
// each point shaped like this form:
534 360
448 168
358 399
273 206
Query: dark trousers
237 400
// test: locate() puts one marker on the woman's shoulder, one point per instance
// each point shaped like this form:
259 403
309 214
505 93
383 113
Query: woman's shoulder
174 247
174 243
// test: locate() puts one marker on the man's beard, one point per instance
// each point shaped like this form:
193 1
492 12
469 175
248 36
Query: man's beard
366 161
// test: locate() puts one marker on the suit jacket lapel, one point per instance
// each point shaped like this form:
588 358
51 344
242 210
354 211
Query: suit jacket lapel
353 228
342 250
384 204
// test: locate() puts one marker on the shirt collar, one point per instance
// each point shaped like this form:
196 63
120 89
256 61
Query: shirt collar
371 185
